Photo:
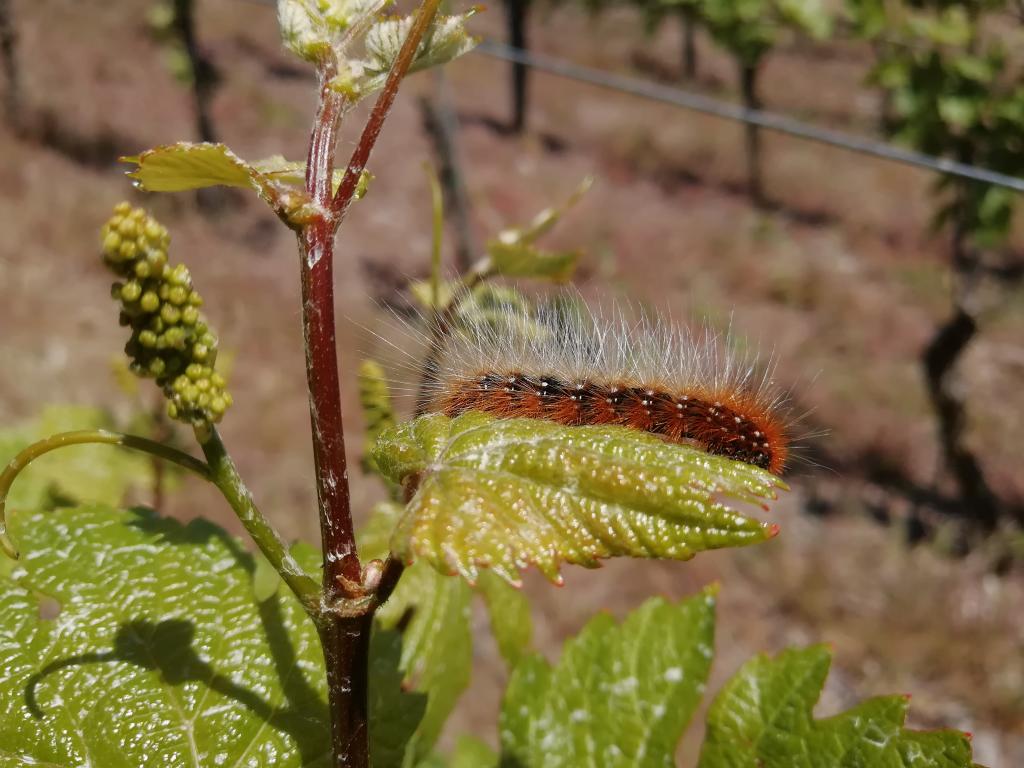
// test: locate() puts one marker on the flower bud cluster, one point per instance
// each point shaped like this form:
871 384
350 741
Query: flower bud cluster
171 341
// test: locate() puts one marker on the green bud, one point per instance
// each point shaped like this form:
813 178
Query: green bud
170 314
180 276
112 245
157 366
149 302
128 250
127 228
200 352
147 339
178 295
142 269
131 291
194 371
175 338
189 315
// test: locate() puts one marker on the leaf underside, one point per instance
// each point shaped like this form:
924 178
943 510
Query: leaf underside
506 494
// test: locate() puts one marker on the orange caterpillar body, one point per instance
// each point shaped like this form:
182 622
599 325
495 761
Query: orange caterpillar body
727 424
583 366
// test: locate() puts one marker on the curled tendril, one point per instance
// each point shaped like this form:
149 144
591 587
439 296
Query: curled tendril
83 437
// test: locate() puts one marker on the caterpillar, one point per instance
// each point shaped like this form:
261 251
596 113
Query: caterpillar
563 361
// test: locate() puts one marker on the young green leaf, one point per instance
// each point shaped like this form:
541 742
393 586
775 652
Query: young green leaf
525 260
764 717
507 493
447 39
621 695
394 714
510 617
437 641
183 166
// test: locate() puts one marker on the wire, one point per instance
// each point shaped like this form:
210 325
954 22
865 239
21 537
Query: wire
728 111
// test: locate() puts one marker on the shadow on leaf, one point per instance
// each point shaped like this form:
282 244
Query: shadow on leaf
165 647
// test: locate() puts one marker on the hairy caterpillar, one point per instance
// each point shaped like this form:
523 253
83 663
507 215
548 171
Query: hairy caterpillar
562 361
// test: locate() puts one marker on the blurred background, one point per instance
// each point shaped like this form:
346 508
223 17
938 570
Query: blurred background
890 296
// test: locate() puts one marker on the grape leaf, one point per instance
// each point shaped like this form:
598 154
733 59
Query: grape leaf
78 473
445 40
525 260
185 165
394 714
621 695
160 654
437 641
764 717
510 616
507 493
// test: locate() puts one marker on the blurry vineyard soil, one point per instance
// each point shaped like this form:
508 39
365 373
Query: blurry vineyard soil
839 281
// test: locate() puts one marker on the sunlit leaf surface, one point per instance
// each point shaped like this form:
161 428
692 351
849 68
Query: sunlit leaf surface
505 494
131 640
619 697
764 717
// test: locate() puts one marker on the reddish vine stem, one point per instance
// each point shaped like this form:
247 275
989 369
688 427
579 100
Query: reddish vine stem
345 639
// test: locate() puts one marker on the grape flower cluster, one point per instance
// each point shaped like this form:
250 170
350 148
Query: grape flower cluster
171 341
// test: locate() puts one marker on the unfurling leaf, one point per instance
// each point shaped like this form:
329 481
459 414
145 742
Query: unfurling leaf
514 253
620 696
524 260
505 494
375 399
447 39
764 717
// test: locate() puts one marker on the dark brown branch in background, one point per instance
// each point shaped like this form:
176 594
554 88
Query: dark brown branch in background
516 14
345 639
751 100
689 22
441 124
204 75
9 62
940 359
